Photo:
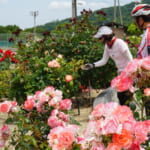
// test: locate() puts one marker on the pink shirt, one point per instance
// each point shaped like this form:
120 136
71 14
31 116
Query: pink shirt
145 43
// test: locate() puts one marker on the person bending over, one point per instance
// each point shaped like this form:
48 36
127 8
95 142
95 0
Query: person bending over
116 49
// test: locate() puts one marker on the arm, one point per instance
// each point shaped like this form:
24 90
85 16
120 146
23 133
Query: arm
103 61
128 55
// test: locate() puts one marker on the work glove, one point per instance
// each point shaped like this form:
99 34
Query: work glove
88 66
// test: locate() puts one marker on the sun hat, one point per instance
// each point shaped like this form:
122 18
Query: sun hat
104 30
141 9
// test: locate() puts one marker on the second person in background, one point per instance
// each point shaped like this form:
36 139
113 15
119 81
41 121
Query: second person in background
117 50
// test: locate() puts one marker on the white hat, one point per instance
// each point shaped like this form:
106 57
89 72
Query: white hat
104 30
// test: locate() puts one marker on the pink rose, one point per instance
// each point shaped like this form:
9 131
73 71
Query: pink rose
29 104
5 107
54 121
147 124
2 143
121 84
113 146
66 138
123 113
110 126
140 132
135 146
53 64
147 92
98 147
131 67
65 104
5 132
63 117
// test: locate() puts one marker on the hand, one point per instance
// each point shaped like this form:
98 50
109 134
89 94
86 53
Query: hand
87 66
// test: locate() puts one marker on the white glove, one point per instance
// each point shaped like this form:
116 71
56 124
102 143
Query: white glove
88 66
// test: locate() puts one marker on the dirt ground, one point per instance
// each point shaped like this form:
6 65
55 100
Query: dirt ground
83 117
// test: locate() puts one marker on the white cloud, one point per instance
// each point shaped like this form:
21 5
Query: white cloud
55 4
96 5
59 5
3 1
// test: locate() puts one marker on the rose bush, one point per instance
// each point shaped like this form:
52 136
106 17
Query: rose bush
135 78
7 57
113 127
74 42
43 123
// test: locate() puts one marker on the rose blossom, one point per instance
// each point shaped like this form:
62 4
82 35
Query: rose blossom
62 137
29 104
131 67
5 132
5 106
68 78
121 84
123 113
2 143
41 96
65 104
113 146
135 146
147 92
54 121
147 124
124 139
53 64
140 132
63 116
66 138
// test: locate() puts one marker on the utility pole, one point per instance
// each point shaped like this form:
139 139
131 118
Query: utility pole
114 10
121 20
34 14
117 5
74 8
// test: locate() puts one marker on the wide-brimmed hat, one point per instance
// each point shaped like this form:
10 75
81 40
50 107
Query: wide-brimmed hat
104 30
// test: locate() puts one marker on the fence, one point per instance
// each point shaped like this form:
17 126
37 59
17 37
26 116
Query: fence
5 37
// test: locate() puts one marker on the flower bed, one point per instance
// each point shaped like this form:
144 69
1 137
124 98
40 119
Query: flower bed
45 122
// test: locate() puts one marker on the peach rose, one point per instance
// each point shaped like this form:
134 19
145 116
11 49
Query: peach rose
124 139
29 104
5 107
66 138
113 146
65 104
68 78
147 92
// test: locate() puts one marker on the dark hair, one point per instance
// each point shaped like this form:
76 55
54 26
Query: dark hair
145 18
108 37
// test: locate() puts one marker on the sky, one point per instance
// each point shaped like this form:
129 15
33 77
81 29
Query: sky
19 12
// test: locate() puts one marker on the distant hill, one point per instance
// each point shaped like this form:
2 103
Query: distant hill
126 10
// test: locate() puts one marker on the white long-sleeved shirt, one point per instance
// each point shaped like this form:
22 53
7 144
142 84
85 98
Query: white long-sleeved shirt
119 53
